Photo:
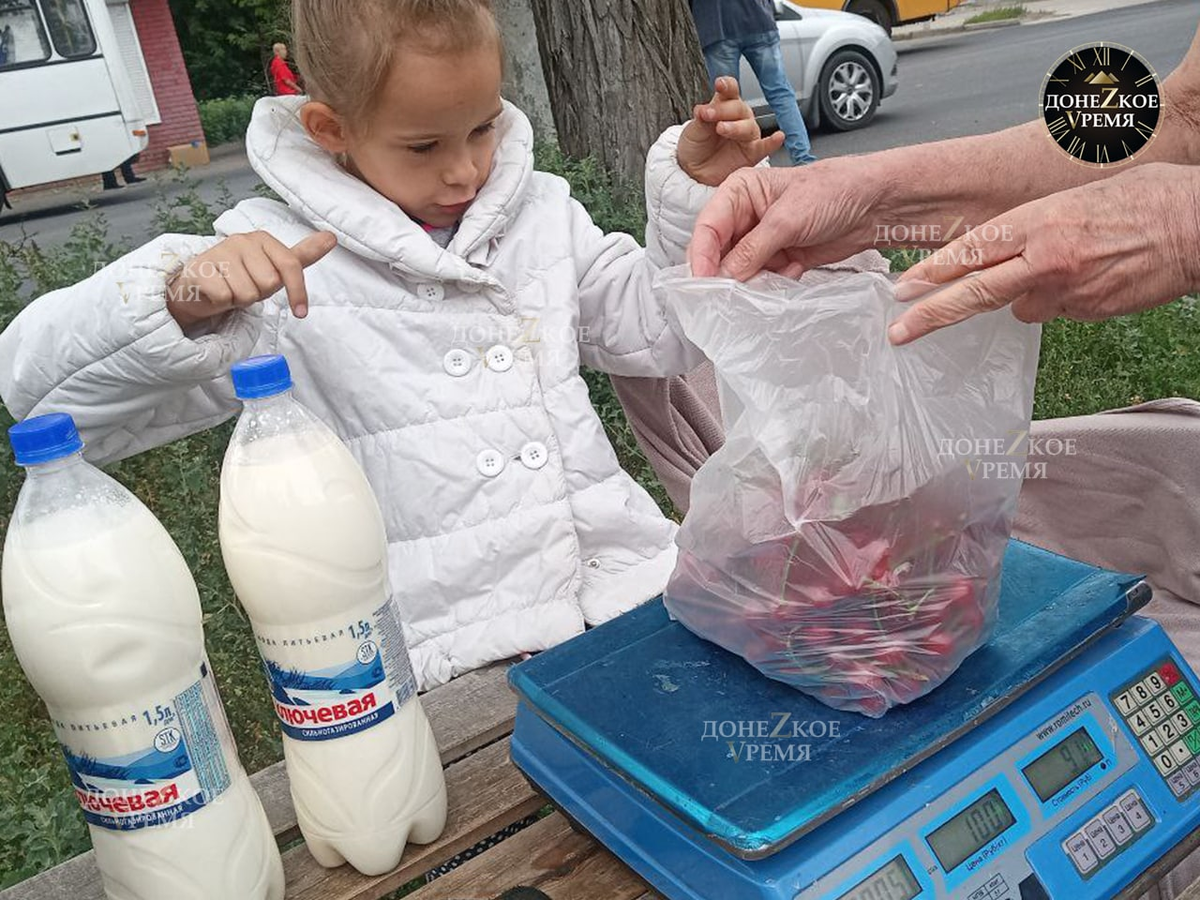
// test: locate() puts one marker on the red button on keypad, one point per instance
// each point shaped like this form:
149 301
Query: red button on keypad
1170 674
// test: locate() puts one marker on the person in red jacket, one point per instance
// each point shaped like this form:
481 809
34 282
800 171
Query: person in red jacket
282 76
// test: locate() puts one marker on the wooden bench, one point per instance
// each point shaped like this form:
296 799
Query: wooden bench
472 718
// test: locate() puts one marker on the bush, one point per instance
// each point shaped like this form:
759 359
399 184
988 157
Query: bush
614 205
226 119
226 44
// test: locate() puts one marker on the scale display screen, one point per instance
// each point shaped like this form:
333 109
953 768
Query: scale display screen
893 882
1059 766
971 830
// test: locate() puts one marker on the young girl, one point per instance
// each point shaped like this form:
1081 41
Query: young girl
434 297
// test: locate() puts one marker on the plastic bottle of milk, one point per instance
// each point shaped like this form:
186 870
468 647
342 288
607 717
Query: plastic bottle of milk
105 620
304 544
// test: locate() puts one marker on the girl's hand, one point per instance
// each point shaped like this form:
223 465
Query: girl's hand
241 271
723 136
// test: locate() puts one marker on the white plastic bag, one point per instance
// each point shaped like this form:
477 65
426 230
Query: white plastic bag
847 537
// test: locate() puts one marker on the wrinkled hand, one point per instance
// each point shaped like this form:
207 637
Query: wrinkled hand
786 220
723 136
1116 246
241 271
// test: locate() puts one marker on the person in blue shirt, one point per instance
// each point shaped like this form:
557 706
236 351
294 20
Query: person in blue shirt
731 29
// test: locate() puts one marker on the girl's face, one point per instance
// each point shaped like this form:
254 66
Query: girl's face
429 148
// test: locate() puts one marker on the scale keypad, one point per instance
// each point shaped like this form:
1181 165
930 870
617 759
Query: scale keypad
1162 709
1108 833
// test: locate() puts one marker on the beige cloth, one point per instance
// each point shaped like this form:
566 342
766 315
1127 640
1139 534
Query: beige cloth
1119 489
1128 498
677 423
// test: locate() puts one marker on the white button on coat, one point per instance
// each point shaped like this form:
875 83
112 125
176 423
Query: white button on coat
534 455
457 363
499 358
490 463
431 292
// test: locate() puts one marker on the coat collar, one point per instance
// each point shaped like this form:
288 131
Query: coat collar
310 182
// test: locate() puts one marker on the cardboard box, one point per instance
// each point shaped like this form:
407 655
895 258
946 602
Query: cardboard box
189 155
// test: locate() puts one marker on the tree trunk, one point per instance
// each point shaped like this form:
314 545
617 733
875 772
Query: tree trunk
524 84
618 73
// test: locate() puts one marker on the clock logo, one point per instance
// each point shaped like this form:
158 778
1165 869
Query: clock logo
1101 104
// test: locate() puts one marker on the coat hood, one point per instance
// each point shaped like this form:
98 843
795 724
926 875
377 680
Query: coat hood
311 183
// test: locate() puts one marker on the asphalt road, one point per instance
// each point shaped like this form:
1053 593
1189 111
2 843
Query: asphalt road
981 81
967 83
128 212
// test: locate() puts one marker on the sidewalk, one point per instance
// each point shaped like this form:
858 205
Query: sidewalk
224 160
1035 11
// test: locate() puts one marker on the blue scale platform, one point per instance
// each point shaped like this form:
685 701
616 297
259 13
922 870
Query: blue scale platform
637 694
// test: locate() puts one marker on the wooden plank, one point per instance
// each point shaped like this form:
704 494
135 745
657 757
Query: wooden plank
1147 882
549 856
467 713
486 793
78 879
471 711
275 791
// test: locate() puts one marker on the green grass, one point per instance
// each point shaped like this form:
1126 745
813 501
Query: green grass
1084 368
997 15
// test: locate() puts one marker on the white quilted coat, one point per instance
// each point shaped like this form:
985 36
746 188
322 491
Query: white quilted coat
453 375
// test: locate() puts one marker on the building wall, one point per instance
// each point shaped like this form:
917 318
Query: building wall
169 78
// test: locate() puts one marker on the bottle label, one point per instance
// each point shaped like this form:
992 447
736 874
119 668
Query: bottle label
150 766
339 677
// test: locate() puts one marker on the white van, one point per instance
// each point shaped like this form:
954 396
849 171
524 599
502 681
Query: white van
68 105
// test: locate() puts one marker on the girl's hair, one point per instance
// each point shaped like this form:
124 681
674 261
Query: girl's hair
346 48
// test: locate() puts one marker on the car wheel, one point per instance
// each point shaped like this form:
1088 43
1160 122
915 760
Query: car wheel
873 10
849 91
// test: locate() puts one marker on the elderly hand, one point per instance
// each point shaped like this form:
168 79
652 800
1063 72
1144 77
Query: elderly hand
786 220
1122 245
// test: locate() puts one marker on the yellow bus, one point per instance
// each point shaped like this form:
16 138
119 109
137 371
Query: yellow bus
888 13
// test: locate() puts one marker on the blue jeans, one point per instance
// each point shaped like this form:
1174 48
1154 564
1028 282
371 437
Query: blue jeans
762 52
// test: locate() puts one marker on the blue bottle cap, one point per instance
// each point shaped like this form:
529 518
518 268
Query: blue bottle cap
44 438
261 376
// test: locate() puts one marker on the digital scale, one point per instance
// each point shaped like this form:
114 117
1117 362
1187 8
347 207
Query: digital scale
1060 761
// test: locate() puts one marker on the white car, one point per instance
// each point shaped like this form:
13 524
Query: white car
841 66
